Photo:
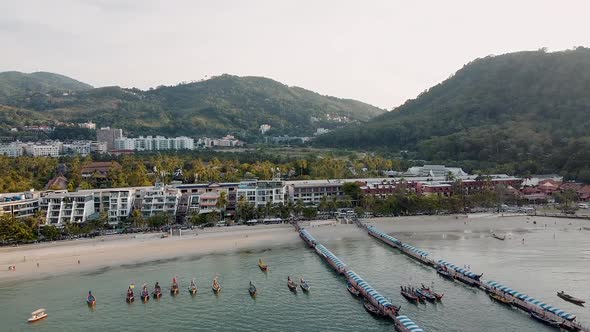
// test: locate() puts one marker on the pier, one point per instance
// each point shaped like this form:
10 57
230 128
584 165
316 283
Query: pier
563 319
401 323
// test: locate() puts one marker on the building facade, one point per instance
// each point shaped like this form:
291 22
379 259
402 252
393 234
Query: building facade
64 208
109 135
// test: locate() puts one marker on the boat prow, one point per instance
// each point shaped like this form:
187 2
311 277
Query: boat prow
37 315
352 290
570 298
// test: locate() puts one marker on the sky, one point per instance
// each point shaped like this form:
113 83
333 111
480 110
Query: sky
380 52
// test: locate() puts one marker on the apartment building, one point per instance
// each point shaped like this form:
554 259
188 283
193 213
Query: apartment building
150 143
312 191
109 135
14 149
203 198
45 149
116 202
20 205
159 199
259 193
67 207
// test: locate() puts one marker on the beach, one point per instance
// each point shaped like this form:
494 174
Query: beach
110 251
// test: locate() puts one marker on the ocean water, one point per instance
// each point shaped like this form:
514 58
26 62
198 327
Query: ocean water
327 307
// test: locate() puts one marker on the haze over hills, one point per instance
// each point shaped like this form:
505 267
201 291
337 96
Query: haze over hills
220 105
528 112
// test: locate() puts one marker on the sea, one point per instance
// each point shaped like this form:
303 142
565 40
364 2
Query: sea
549 261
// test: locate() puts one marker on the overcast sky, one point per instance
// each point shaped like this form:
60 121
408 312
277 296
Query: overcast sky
380 52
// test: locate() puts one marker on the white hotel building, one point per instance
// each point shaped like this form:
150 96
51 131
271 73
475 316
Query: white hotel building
159 199
66 207
150 143
259 193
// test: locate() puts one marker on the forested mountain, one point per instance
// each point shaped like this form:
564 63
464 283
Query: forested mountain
525 112
14 84
220 105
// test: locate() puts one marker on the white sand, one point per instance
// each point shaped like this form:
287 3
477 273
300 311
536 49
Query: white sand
62 257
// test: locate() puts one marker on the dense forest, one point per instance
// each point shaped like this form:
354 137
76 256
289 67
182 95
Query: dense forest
217 106
520 113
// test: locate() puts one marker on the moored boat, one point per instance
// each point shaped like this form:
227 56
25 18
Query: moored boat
352 290
445 274
37 315
252 289
408 294
544 320
192 288
262 265
436 295
292 285
157 291
498 237
90 299
425 294
145 294
216 286
304 285
129 296
499 299
373 310
419 295
570 298
174 289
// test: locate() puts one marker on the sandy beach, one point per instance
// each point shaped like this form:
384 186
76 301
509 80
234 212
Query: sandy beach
62 257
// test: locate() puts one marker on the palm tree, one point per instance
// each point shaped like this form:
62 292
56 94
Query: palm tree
221 203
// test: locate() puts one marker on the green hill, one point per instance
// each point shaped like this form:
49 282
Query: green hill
525 112
220 105
14 84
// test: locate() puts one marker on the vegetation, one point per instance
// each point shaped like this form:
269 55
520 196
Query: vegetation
520 113
24 173
14 84
217 106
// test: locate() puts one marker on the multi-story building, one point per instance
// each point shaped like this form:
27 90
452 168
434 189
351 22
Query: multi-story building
47 149
63 208
259 193
116 202
20 205
204 197
84 148
14 149
109 135
150 143
312 191
159 199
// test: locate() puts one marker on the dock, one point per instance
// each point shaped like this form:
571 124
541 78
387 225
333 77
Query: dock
469 278
386 307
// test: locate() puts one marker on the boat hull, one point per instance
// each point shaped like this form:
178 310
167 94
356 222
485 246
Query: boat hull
36 319
130 299
353 291
157 295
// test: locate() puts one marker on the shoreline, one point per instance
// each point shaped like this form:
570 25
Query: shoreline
85 255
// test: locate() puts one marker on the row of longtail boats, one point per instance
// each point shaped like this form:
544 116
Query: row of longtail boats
420 295
192 289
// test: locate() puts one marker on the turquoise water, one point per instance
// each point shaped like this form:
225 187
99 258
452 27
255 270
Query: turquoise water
328 307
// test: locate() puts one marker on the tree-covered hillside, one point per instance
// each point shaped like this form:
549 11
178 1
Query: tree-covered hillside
14 84
220 105
525 112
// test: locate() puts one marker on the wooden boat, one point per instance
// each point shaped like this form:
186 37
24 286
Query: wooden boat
444 274
292 285
192 290
216 286
426 295
174 290
571 299
37 315
408 295
420 296
304 285
145 294
499 299
436 295
498 237
352 290
129 297
372 309
262 265
157 293
544 319
252 289
90 300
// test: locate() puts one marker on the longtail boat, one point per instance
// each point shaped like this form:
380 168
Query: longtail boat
129 297
571 299
544 320
145 294
252 289
157 291
436 295
216 286
498 237
262 265
174 289
90 299
445 274
292 285
425 295
373 310
352 290
408 294
499 298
